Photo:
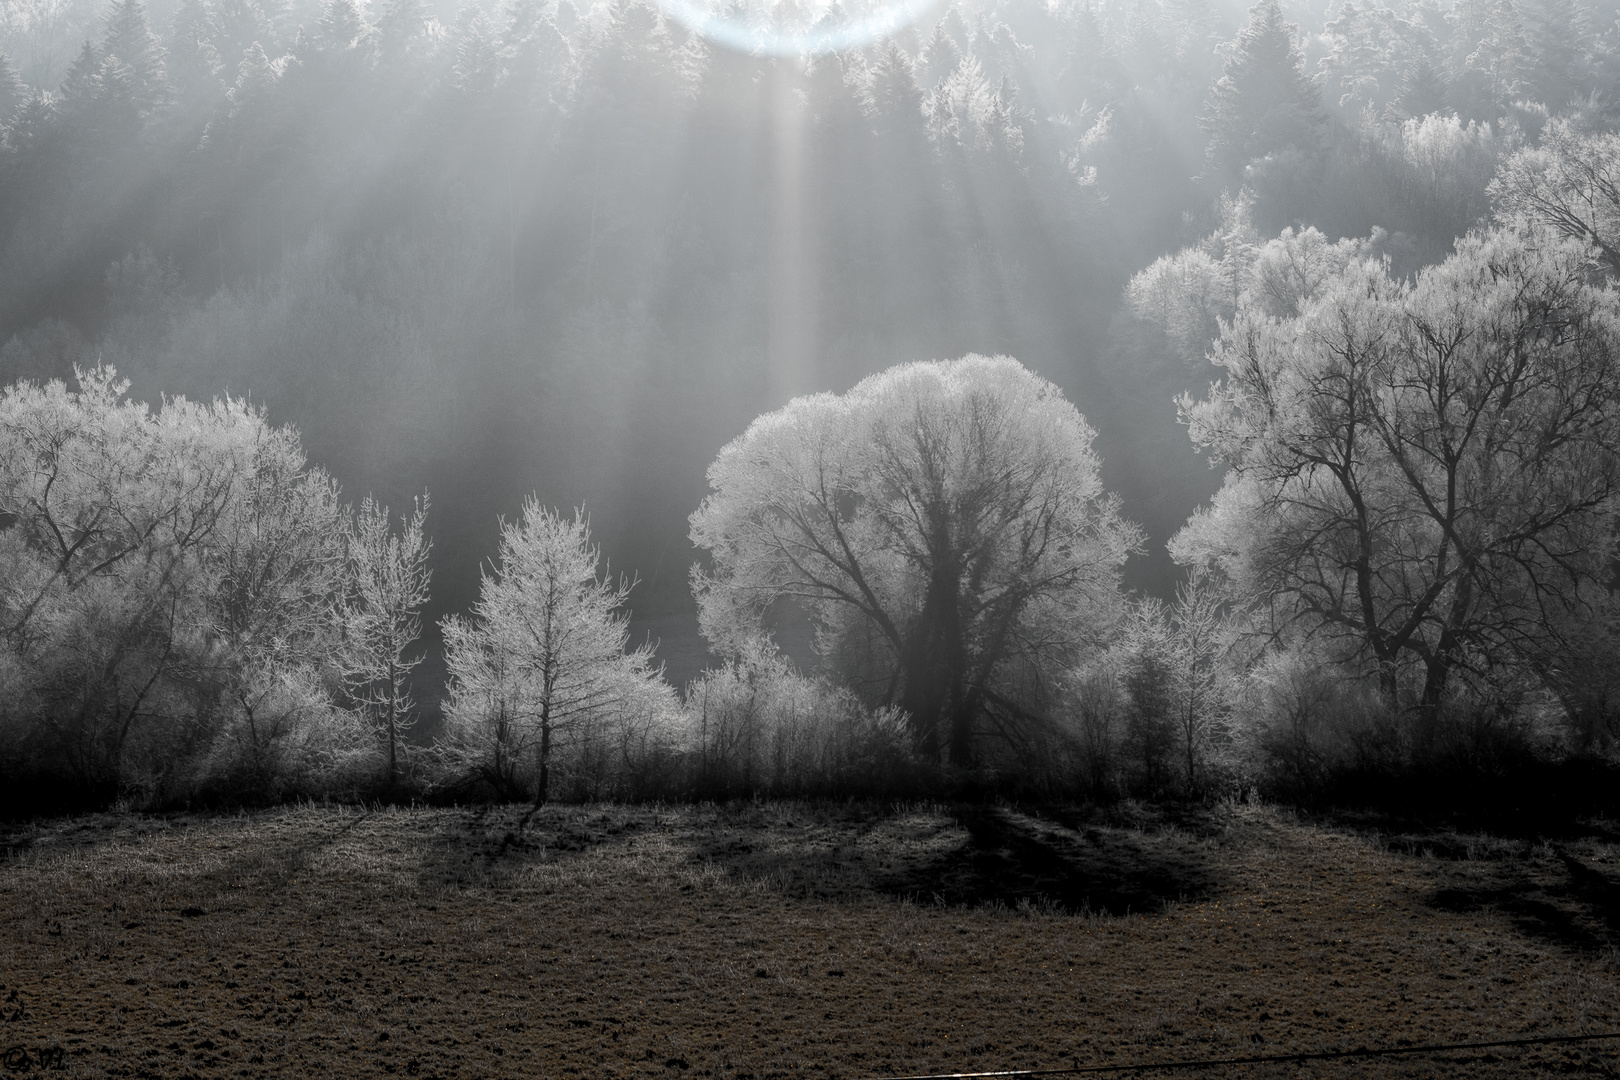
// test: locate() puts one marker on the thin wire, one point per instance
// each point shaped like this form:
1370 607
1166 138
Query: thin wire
1324 1055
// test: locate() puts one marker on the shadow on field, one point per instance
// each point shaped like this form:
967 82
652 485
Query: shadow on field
1011 859
970 855
1564 899
492 842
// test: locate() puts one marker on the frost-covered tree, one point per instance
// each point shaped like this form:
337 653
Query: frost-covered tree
1189 295
938 58
277 576
541 671
1422 473
945 527
169 587
1571 182
387 585
478 63
109 508
130 41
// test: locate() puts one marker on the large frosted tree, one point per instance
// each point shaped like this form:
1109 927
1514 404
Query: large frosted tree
1423 472
168 593
1571 182
945 527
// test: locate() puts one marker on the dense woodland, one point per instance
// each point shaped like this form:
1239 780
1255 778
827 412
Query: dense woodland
490 262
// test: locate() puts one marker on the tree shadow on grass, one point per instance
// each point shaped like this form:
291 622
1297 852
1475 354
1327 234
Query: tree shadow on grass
1566 901
491 843
1011 859
970 855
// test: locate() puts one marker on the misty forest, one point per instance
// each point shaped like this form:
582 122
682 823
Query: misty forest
1053 466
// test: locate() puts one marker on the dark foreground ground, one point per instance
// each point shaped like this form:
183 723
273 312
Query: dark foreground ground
791 940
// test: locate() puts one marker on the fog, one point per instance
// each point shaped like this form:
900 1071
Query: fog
537 248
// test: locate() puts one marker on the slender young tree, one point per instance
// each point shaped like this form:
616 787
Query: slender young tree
542 665
388 584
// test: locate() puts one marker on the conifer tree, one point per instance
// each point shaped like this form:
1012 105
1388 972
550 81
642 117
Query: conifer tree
1263 101
938 58
1556 33
478 63
1421 91
255 81
235 25
533 52
896 98
12 90
193 66
340 26
400 29
129 40
1502 56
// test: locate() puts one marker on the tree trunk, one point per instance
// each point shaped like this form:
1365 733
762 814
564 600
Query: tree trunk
542 785
393 755
932 671
1437 673
1190 730
393 725
963 706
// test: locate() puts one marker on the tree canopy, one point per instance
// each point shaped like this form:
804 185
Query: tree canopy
1424 472
945 526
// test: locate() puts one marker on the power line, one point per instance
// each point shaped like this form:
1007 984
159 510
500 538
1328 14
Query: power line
1326 1055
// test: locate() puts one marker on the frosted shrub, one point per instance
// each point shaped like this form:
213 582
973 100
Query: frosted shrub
1303 719
755 726
292 741
172 587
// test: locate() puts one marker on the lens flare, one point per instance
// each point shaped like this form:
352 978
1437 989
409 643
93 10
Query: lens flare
795 30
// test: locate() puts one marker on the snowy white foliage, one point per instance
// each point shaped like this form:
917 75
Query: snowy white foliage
542 679
107 586
944 525
756 726
1421 472
172 598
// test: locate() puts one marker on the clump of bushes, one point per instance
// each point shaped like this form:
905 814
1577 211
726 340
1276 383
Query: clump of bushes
755 726
187 608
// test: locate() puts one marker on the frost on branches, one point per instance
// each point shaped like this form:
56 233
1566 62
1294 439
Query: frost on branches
945 527
541 676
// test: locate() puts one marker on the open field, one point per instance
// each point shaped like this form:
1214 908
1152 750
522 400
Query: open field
788 940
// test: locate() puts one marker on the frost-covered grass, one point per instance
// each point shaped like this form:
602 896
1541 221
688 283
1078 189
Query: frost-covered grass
789 938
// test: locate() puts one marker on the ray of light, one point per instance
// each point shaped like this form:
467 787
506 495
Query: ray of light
791 300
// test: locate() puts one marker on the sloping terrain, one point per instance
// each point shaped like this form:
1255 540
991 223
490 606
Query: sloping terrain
787 940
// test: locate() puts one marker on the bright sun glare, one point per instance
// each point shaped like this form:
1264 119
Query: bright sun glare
789 29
